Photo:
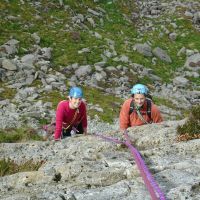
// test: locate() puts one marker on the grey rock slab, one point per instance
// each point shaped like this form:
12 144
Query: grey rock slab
9 65
162 54
193 62
144 49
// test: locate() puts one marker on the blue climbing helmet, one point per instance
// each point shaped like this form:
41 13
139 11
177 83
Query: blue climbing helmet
76 92
139 89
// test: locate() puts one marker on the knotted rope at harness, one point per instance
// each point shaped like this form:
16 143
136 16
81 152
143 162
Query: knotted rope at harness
152 186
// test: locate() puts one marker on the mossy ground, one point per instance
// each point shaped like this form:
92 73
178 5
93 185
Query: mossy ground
7 93
191 129
51 27
109 103
13 135
8 167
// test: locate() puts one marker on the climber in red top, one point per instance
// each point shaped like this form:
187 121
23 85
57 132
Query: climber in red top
139 110
71 115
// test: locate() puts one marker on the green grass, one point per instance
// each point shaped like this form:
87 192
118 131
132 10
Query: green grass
194 80
13 135
8 167
7 93
191 129
145 80
190 41
161 101
109 104
54 97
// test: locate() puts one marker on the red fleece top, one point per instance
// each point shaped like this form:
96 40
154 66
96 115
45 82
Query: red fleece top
133 119
65 115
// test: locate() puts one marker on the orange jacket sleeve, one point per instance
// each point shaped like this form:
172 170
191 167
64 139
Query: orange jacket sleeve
155 114
124 118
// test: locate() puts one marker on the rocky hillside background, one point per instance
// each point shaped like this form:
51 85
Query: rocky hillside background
104 46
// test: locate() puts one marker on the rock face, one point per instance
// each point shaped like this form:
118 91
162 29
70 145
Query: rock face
87 167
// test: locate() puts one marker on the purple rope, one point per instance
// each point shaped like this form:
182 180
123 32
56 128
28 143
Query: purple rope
152 186
150 182
110 139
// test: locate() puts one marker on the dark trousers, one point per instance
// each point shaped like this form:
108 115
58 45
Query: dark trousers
66 132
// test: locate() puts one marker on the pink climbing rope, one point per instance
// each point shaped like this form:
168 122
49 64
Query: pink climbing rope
152 186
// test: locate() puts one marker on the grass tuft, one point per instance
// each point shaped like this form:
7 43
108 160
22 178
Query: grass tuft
13 135
191 129
8 167
109 103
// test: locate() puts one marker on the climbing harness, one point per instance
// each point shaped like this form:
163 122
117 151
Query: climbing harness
72 121
152 186
141 117
148 111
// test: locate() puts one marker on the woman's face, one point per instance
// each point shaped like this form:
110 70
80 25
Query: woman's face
139 99
74 102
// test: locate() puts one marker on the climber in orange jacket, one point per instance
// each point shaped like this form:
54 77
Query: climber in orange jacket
139 110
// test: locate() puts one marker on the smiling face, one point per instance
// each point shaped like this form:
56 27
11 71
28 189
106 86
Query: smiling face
139 99
74 103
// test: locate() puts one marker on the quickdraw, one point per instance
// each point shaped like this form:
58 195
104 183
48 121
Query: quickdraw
152 186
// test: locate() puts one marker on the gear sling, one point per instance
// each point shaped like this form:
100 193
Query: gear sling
132 108
66 131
